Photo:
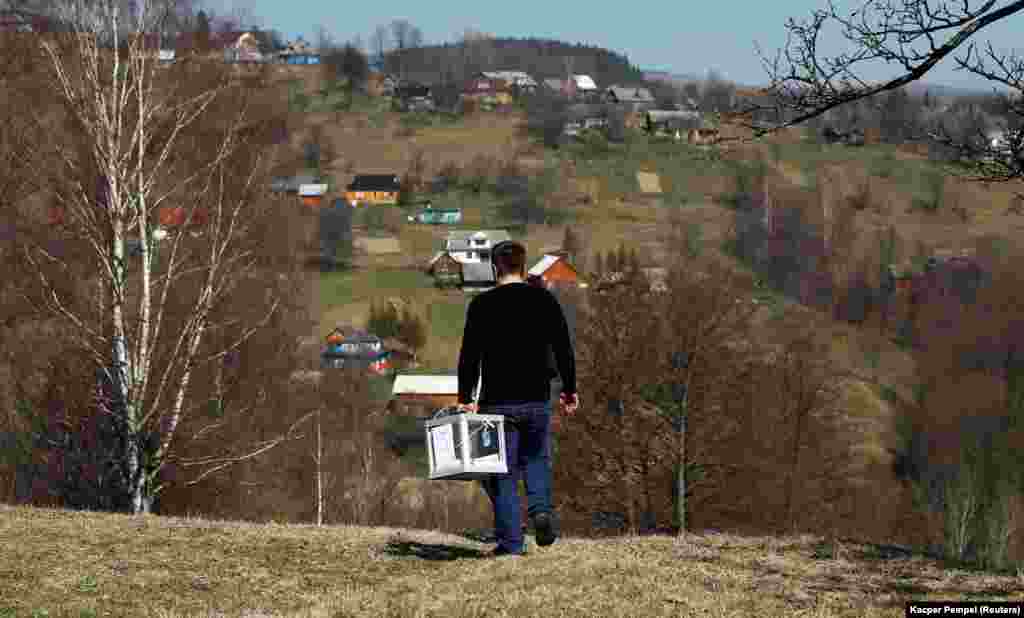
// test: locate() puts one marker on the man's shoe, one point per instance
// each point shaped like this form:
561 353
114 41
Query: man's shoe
500 552
544 528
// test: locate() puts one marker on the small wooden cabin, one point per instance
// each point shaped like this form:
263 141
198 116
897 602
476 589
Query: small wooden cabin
446 270
373 189
553 270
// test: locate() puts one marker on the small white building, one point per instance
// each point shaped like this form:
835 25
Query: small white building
584 84
471 247
435 390
997 140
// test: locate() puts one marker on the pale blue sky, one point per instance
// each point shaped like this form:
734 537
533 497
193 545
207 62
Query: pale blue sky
679 36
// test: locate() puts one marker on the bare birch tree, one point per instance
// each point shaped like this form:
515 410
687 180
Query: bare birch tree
147 132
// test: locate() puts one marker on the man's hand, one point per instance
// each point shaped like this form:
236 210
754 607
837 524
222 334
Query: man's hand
471 408
570 403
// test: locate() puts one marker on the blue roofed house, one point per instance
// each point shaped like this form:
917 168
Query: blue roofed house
299 52
360 350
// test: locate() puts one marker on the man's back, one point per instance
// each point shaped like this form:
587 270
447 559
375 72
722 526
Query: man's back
512 330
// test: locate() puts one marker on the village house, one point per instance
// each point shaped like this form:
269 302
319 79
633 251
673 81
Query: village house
518 80
671 123
583 86
177 217
245 48
360 350
299 52
436 391
291 184
576 87
233 46
488 91
312 195
552 270
633 99
445 269
373 189
474 247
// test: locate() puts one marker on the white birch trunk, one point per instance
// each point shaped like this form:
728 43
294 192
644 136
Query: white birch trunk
123 340
319 473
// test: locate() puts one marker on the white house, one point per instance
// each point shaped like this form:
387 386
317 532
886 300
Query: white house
513 78
584 84
997 140
471 247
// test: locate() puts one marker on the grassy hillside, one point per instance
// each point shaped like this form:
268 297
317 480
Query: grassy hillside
64 563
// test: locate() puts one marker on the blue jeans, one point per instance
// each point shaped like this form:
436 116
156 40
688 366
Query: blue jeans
528 452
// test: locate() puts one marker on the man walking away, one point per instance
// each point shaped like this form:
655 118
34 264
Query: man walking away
510 331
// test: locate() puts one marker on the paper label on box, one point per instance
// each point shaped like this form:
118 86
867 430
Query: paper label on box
444 446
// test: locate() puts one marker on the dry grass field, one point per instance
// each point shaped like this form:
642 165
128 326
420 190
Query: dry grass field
66 563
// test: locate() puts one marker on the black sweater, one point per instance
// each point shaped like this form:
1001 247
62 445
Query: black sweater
513 329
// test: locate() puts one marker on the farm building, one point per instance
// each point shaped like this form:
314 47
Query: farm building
373 189
359 350
474 247
446 270
633 98
434 390
552 270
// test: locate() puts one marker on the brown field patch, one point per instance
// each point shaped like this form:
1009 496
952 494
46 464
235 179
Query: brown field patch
649 182
378 246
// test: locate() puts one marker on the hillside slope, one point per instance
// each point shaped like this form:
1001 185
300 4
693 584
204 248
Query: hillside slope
78 563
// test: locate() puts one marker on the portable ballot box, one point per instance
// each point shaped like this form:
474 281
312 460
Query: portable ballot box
466 447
